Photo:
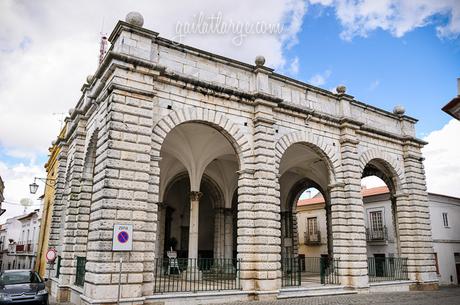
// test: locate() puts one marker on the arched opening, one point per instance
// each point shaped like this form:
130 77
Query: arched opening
198 206
305 174
177 217
379 183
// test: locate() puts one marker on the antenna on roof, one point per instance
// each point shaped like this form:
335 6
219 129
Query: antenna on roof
102 44
61 118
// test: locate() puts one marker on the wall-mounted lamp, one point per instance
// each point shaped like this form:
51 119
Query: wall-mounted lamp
33 187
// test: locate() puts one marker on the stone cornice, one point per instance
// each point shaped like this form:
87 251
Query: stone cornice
124 26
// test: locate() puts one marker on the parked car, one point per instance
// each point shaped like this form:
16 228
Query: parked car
22 286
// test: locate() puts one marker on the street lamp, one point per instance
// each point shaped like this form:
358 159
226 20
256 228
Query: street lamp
33 187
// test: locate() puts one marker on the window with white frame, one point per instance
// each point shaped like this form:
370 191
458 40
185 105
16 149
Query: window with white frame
312 226
376 220
445 220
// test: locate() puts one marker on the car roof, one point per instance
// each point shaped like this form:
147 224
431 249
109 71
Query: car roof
17 270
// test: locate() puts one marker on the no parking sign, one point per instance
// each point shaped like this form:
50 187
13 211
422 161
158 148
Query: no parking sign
122 238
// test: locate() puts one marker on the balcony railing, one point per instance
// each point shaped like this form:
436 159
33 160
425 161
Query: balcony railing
313 238
387 269
192 275
24 247
380 234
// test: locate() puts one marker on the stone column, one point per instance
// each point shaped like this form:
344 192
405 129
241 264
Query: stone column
194 224
193 273
414 226
228 251
219 233
347 212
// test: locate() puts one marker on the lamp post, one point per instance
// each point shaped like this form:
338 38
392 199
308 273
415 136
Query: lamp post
33 187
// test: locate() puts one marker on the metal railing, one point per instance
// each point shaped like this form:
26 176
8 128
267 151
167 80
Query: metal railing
329 271
298 269
290 271
387 269
80 271
192 275
313 239
380 234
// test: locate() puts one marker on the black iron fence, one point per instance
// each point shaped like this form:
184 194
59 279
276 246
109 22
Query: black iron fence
329 271
192 275
290 271
387 269
80 271
296 270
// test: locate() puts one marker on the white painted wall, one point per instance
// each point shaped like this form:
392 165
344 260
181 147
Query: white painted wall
16 229
446 240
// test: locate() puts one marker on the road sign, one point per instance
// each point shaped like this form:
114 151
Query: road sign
51 255
122 238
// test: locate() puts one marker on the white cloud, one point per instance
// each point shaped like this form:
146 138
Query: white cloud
294 66
374 85
360 17
442 159
54 45
17 178
47 48
320 78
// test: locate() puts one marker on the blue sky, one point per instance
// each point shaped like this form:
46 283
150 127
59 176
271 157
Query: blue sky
418 70
386 52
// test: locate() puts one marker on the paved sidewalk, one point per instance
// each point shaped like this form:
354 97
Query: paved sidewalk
445 296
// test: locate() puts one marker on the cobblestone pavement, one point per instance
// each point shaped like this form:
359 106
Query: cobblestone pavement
445 296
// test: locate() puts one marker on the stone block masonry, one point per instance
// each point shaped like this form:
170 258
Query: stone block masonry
118 161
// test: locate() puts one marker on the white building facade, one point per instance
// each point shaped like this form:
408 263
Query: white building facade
19 237
206 158
382 241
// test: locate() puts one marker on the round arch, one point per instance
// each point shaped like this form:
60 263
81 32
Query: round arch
383 165
315 142
229 130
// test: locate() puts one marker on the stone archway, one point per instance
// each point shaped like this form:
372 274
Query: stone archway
304 160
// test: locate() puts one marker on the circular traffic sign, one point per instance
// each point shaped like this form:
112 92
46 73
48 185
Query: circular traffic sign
51 255
123 237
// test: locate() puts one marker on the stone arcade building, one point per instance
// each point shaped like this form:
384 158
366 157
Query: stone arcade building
207 156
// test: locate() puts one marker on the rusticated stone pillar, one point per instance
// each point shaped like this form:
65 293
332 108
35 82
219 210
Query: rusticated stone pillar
124 192
413 220
347 212
259 235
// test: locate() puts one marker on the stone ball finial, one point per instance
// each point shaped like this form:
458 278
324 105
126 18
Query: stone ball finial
399 110
341 89
53 143
260 61
89 79
135 18
71 110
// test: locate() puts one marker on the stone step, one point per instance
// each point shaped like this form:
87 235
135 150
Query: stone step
301 292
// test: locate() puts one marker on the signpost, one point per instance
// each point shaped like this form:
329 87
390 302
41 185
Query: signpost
51 255
122 241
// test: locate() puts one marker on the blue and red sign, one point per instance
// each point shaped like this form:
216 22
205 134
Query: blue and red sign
122 240
123 237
